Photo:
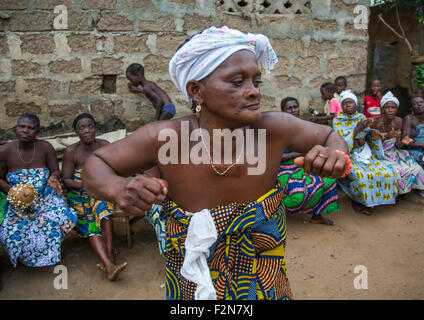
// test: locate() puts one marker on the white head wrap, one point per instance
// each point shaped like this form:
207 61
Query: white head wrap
389 97
348 94
200 56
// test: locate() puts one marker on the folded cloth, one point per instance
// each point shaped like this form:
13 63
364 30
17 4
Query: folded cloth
364 155
201 235
3 202
200 56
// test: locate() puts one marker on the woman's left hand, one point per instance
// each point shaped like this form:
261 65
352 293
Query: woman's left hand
323 162
56 185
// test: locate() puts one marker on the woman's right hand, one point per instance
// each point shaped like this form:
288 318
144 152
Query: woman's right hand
137 194
358 142
377 135
407 140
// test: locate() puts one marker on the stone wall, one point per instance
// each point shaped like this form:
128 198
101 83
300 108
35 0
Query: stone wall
58 73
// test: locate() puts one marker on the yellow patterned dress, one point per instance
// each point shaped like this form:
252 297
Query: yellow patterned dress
371 182
246 262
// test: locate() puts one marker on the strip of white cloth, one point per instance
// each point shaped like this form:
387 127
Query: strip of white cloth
363 156
201 235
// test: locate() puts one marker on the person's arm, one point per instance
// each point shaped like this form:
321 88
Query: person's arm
407 126
397 132
290 156
4 186
318 144
68 168
153 172
407 132
106 173
323 118
158 98
360 141
53 166
150 94
135 89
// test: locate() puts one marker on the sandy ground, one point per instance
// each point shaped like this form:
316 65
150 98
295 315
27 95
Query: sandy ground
320 259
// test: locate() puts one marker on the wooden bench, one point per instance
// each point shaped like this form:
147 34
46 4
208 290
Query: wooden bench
128 220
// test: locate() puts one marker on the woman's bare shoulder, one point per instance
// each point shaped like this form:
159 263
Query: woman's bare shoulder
7 148
102 142
277 120
155 127
71 148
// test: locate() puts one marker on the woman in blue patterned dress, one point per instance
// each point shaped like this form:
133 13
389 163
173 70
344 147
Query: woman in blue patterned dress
413 129
34 241
370 182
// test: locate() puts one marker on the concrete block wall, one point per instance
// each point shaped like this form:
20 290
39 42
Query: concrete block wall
58 73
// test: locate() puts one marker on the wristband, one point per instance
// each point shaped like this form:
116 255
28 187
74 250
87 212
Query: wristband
348 163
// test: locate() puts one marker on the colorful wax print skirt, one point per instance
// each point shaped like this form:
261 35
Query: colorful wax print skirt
36 241
246 262
418 136
410 174
371 184
157 219
303 194
90 211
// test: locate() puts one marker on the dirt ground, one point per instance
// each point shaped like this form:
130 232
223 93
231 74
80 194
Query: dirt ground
320 260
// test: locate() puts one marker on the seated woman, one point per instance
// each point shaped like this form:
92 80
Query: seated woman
93 215
388 131
305 194
33 240
370 182
413 130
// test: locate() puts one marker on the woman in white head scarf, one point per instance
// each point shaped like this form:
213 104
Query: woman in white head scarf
213 206
388 128
370 183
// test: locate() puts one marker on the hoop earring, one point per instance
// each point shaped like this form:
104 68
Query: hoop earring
198 109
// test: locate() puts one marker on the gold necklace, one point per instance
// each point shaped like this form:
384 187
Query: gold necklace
210 158
19 153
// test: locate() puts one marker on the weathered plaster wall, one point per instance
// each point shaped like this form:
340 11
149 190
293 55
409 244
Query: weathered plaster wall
58 73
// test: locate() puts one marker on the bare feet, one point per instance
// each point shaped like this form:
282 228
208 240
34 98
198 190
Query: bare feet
359 207
112 255
319 219
113 271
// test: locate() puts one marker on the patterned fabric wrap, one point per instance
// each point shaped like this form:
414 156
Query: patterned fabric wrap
90 211
3 203
200 56
36 241
303 194
418 136
247 260
373 183
409 172
157 219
